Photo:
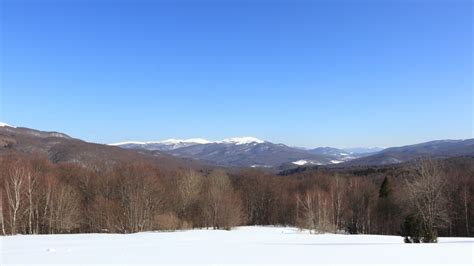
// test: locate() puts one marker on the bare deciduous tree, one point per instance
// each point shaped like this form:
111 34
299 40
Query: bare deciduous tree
30 187
139 196
189 187
14 183
427 193
65 209
337 193
222 206
1 212
466 197
314 209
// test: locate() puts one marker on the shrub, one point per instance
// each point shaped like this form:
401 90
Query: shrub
168 221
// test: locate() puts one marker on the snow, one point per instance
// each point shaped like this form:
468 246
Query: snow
336 161
236 141
241 140
197 140
260 166
5 125
127 142
305 162
243 245
166 142
179 141
301 162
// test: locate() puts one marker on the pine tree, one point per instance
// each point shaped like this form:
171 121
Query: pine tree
412 230
385 189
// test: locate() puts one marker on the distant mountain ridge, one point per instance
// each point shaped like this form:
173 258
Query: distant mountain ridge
173 144
253 152
435 149
59 148
244 152
235 152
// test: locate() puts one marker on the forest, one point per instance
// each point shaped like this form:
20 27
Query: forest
425 198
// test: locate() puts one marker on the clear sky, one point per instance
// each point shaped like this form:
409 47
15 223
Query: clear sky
304 73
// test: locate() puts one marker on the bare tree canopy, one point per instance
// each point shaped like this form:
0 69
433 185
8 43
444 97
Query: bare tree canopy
427 191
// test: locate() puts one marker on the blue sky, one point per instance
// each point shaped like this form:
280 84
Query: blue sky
304 73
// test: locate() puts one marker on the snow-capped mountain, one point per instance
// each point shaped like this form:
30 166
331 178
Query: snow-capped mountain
254 152
237 151
164 145
241 141
241 151
262 154
173 144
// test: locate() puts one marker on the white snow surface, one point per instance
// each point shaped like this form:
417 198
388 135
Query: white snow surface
305 162
5 125
301 162
127 142
178 141
236 141
166 142
241 140
242 245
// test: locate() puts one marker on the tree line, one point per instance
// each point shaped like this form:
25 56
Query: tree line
420 200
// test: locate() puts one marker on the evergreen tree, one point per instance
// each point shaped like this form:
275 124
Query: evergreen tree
412 230
388 211
385 189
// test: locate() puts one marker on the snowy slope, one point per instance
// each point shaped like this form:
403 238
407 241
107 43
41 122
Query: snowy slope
5 125
180 143
244 245
241 140
164 145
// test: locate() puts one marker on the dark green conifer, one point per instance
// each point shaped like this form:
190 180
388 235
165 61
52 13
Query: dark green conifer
385 189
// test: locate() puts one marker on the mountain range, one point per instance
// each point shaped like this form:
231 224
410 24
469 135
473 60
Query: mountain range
244 152
233 152
61 148
439 149
253 152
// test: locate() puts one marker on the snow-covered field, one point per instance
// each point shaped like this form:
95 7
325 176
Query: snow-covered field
243 245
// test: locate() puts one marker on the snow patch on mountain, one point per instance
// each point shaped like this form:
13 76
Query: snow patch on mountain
5 125
241 140
165 142
179 141
301 162
236 141
306 162
127 143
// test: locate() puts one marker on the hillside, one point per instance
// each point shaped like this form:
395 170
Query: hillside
59 147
